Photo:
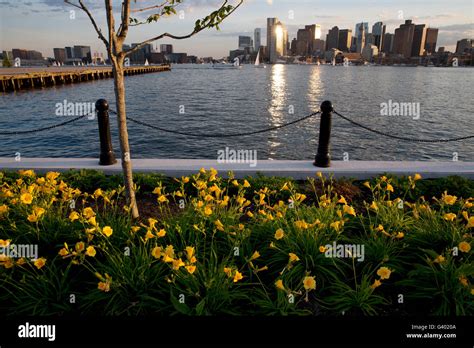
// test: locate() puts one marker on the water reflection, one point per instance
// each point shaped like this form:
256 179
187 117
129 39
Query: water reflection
315 89
277 107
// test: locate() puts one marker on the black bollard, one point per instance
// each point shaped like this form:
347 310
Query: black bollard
107 156
323 157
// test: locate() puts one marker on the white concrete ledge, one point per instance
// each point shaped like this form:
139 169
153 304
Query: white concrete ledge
294 169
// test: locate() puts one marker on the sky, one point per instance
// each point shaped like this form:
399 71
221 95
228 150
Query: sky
44 24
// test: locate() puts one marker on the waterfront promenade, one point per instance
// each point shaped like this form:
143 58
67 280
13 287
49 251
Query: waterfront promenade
299 170
16 79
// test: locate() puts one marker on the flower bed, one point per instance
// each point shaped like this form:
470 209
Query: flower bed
208 245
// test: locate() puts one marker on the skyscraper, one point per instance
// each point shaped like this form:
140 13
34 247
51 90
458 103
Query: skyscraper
387 44
431 40
361 30
277 39
360 38
345 39
60 54
378 32
257 38
332 38
403 41
464 46
419 40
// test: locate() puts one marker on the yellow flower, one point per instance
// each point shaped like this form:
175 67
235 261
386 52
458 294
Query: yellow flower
161 233
4 243
26 198
342 200
90 251
29 173
470 222
319 175
309 283
228 271
439 259
400 235
367 184
88 212
374 206
52 175
465 247
219 225
162 199
191 268
448 199
156 252
157 191
449 216
3 209
97 193
301 224
389 188
246 184
107 230
384 272
322 249
255 256
250 214
149 235
293 257
39 263
104 286
73 216
63 252
32 218
177 264
238 276
207 210
189 252
336 225
235 183
463 281
135 229
417 177
349 210
279 284
279 234
376 284
80 246
285 187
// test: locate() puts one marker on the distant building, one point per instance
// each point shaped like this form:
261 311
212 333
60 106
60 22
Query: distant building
369 52
319 47
19 53
345 40
141 55
83 53
157 58
60 54
303 37
361 30
245 42
431 40
277 39
177 58
69 52
332 39
419 40
257 37
378 34
166 48
403 41
464 46
387 44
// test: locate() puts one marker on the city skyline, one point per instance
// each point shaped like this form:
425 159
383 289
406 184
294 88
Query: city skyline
34 33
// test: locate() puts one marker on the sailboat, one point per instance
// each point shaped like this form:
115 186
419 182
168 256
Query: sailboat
146 62
257 62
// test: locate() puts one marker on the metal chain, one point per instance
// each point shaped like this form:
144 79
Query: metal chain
219 135
44 128
402 138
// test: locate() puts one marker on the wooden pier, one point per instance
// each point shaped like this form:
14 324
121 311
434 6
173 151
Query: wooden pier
17 79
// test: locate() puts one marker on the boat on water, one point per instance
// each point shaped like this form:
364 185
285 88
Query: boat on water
257 62
225 65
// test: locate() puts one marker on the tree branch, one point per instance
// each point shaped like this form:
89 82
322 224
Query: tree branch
149 8
122 34
86 10
194 32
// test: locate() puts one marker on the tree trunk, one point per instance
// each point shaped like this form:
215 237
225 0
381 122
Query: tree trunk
118 70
